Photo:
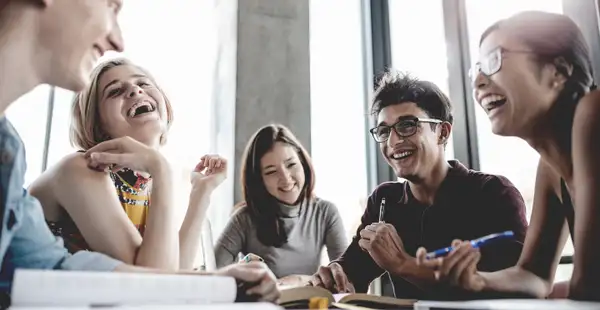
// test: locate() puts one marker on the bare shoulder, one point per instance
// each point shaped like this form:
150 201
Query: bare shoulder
74 167
588 109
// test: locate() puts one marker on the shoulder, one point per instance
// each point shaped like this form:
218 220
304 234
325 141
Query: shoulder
391 189
325 207
73 171
489 182
242 217
585 120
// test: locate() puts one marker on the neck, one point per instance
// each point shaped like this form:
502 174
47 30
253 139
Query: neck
552 151
426 189
18 75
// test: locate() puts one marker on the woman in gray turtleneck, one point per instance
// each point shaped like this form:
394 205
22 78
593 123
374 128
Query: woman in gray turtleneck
282 221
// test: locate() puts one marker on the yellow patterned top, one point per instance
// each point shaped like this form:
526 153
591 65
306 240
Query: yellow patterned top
133 191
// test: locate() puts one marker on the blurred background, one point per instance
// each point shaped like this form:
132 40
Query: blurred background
231 66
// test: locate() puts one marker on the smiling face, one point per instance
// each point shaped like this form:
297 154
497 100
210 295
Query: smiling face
415 156
74 35
523 90
283 173
130 104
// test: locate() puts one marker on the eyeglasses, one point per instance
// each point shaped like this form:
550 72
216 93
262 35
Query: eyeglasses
492 62
404 128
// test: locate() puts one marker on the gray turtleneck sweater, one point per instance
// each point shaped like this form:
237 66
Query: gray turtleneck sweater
309 228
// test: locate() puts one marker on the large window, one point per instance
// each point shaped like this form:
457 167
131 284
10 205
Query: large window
338 106
419 48
28 115
520 163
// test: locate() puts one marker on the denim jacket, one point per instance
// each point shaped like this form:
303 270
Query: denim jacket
25 239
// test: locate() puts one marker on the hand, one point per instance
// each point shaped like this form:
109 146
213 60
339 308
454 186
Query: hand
123 152
254 272
459 267
332 278
210 172
251 257
383 243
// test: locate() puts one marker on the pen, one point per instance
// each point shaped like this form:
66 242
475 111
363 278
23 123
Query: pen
381 210
474 243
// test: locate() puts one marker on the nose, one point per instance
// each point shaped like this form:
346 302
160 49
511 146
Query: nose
285 176
480 80
394 138
135 91
115 38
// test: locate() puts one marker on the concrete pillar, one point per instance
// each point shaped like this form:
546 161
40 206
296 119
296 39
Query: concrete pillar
273 75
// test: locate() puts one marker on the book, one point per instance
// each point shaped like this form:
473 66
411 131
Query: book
299 298
507 304
58 288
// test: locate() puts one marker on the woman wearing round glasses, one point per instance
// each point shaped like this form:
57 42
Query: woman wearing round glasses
535 81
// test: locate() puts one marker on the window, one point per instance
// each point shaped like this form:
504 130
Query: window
420 49
179 50
29 116
337 83
520 163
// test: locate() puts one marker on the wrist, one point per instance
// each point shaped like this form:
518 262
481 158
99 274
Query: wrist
404 264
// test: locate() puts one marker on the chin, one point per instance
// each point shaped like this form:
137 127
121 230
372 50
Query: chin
73 82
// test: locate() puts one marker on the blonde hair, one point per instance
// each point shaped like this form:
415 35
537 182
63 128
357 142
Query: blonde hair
86 129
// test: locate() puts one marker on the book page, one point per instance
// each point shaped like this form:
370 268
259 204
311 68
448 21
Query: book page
508 304
34 288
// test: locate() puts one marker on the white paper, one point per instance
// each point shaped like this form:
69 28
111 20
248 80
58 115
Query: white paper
508 304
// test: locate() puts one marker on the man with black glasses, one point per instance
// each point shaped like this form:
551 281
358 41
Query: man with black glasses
440 200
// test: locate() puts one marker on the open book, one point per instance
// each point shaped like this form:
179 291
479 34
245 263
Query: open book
299 298
508 304
55 288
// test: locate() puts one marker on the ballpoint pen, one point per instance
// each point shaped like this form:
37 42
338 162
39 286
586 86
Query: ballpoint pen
382 210
474 243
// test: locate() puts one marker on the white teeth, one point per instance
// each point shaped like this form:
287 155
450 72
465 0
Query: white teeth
131 111
490 99
287 189
401 155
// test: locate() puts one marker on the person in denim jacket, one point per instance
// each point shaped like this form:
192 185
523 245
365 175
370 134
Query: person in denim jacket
58 42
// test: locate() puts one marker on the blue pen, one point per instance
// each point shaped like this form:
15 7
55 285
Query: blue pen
474 243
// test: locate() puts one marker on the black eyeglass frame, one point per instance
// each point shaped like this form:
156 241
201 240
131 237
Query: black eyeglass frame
412 122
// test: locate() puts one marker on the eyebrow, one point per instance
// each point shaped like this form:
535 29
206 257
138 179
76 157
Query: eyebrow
115 81
285 161
401 118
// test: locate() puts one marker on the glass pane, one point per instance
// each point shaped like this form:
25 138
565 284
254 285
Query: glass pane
520 164
423 58
338 84
29 116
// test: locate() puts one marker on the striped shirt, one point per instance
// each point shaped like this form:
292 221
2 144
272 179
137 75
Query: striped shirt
133 191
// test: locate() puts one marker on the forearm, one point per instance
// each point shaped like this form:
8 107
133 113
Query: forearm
190 233
516 280
160 245
419 276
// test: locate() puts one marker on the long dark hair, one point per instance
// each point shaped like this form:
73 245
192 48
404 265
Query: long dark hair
263 207
553 36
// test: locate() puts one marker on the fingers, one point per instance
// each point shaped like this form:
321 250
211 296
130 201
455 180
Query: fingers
118 144
212 164
422 260
466 268
102 161
364 244
450 262
340 278
367 234
267 288
325 278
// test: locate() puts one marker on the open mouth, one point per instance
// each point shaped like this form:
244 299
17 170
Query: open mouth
141 108
492 102
401 155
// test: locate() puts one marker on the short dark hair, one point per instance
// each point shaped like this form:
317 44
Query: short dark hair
395 87
263 207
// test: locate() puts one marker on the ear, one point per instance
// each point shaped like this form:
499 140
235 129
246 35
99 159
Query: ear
563 71
445 130
45 3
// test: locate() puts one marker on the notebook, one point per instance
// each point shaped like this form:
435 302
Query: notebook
299 297
57 288
507 304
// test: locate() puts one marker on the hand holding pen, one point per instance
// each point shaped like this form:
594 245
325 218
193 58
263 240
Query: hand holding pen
458 264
